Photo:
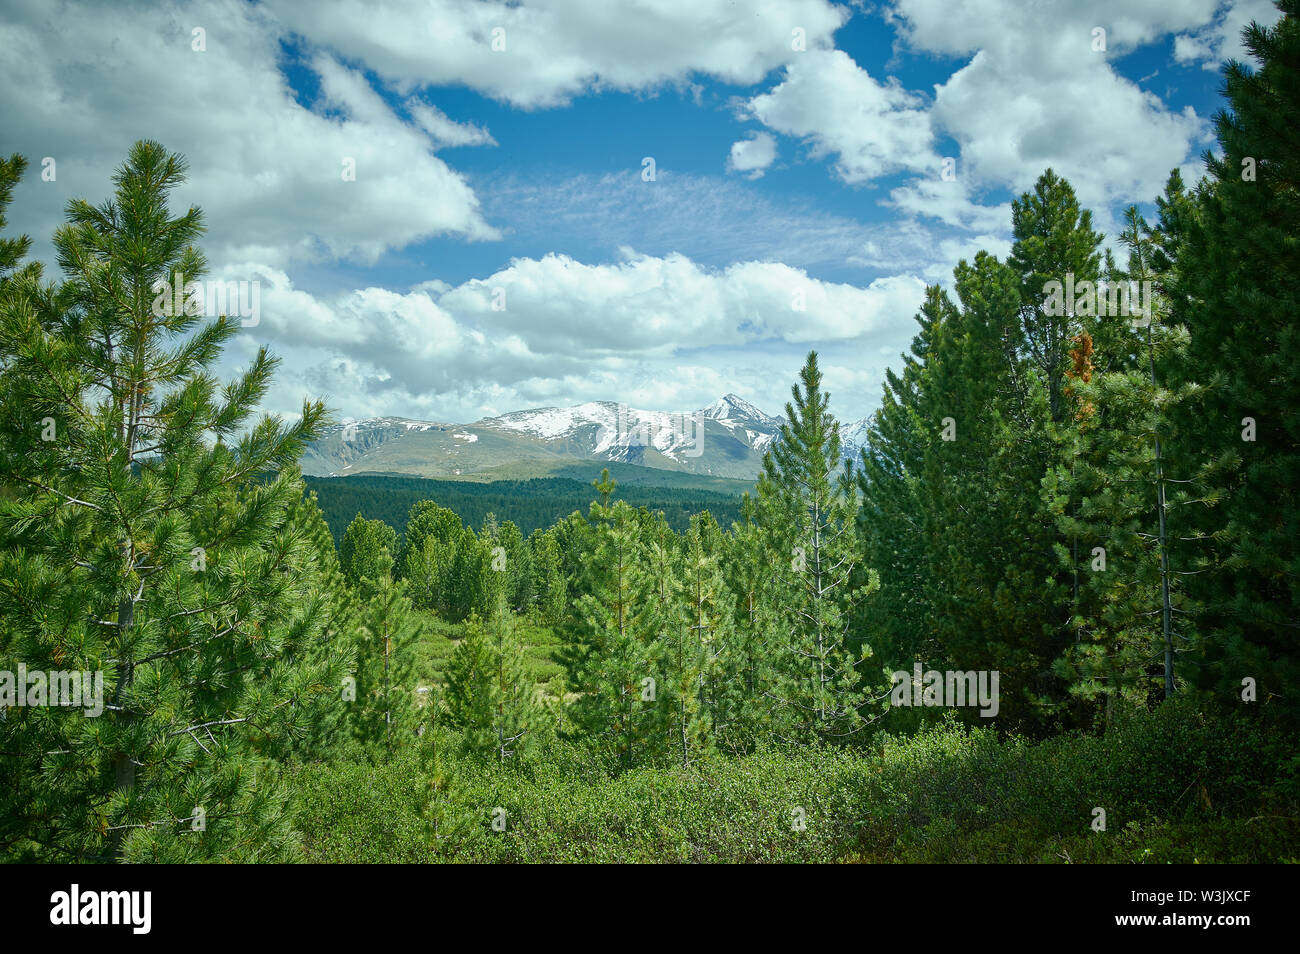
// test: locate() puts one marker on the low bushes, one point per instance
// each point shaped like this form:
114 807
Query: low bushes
1181 784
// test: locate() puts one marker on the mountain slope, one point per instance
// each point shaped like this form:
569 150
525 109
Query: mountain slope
727 439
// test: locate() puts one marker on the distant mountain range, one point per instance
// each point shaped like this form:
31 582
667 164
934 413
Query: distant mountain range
726 439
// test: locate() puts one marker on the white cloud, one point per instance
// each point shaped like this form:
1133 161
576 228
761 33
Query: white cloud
753 155
1109 138
1036 94
662 304
871 128
949 202
266 170
711 220
657 331
557 49
1220 40
447 132
1047 33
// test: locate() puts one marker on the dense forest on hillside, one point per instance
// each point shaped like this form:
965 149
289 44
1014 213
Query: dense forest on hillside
530 504
1051 613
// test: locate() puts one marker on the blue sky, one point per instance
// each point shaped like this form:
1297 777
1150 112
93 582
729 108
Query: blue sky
784 172
690 134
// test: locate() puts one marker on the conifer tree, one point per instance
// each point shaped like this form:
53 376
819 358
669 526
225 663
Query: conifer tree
332 731
448 566
519 566
150 537
812 503
956 456
893 516
489 695
670 721
1112 489
1237 291
388 706
510 564
550 586
13 249
467 679
366 551
707 643
608 666
426 553
1055 252
994 592
740 691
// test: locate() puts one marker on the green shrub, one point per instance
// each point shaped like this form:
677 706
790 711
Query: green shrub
1181 784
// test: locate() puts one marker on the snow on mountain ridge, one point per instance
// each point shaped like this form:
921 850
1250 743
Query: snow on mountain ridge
620 429
853 437
731 406
355 424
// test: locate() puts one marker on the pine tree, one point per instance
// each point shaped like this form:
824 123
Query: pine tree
1054 243
550 585
366 551
669 721
995 592
467 679
147 540
13 249
1054 246
1112 489
707 643
510 563
474 583
519 566
740 691
489 695
953 515
1237 291
819 676
607 665
388 703
448 566
331 733
893 516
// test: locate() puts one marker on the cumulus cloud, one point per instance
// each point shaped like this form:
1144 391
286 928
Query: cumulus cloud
555 330
547 52
840 110
1220 40
1037 92
1043 32
267 170
723 299
753 155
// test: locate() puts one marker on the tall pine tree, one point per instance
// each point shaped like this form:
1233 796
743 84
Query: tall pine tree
151 537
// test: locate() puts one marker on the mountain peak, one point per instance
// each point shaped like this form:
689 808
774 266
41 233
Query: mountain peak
731 407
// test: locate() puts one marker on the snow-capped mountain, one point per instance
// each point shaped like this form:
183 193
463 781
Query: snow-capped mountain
730 407
618 432
738 415
725 439
853 437
609 431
